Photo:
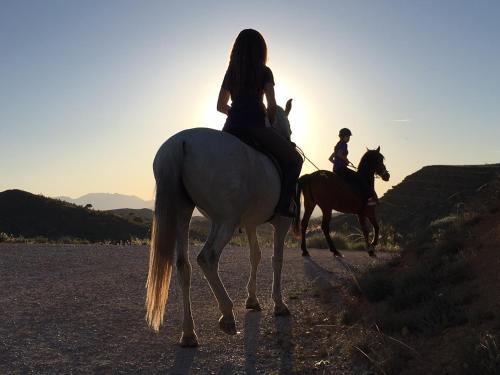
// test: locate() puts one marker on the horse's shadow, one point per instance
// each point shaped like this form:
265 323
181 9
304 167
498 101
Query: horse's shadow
251 340
284 340
184 358
327 284
313 270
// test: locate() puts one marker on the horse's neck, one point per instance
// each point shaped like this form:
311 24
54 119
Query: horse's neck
280 130
366 173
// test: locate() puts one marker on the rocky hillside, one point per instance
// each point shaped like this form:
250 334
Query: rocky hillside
429 194
433 309
140 216
29 215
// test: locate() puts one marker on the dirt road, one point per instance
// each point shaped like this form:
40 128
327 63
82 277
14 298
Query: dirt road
80 309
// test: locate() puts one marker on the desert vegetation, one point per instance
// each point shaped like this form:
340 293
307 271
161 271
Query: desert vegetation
426 311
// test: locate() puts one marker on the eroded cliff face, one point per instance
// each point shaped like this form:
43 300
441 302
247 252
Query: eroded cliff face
437 191
432 193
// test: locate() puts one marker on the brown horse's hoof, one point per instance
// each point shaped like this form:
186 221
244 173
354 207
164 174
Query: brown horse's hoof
227 324
305 253
337 254
253 304
189 341
372 253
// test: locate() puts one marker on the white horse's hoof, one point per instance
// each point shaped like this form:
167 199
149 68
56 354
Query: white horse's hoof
227 324
281 310
253 304
189 341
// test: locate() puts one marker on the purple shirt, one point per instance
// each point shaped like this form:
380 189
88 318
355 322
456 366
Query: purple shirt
340 148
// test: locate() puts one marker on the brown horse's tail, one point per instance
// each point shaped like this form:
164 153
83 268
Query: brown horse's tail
296 220
167 168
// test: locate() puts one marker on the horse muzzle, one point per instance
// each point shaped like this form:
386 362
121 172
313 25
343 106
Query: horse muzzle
385 176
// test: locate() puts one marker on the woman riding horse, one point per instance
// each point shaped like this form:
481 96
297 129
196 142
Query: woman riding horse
234 186
246 80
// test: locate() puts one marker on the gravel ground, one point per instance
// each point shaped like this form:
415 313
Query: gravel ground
80 309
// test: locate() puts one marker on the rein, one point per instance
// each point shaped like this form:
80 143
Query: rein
302 153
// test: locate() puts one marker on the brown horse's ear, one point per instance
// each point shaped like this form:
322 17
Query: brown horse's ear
378 149
288 107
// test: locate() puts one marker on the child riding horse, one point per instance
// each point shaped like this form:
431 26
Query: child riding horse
331 192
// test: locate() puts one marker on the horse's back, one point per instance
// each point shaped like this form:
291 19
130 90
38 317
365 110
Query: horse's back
204 148
201 137
332 192
222 175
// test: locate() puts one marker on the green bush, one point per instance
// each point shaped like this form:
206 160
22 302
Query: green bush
482 356
4 237
410 289
444 222
376 283
421 298
318 241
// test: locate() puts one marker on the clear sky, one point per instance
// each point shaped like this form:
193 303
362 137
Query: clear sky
90 89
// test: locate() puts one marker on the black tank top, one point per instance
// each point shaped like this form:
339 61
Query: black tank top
247 108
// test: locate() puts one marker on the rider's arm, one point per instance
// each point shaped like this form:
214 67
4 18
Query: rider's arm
271 102
222 105
332 156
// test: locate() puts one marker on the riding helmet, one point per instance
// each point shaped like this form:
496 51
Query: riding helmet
344 132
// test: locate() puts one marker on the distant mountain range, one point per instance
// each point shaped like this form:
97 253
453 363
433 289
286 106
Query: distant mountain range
108 201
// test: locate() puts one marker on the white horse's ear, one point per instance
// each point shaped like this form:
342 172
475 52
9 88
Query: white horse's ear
288 107
378 149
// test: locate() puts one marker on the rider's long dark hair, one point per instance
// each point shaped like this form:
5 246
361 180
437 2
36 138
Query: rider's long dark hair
247 62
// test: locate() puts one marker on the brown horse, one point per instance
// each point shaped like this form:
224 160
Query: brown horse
331 192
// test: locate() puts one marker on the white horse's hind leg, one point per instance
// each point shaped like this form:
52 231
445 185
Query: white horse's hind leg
208 259
188 337
252 302
281 226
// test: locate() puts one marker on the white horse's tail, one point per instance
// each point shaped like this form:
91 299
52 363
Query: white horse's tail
168 174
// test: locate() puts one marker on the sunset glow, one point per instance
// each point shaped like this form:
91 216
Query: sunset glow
91 90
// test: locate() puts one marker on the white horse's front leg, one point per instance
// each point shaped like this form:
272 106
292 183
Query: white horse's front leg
252 302
208 259
281 226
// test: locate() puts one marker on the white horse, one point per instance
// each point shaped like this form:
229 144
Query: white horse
234 186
